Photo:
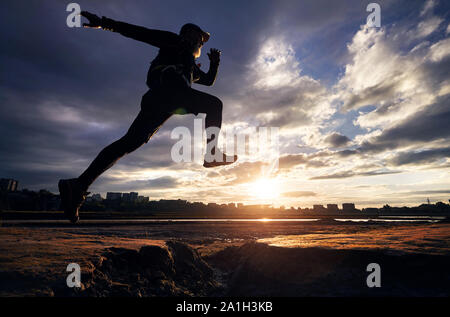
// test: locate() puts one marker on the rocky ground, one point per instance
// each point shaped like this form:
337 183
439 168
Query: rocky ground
173 270
33 261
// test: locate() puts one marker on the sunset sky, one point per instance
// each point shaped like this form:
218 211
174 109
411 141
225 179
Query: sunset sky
363 113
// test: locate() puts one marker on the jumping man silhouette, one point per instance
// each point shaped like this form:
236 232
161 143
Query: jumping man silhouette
169 80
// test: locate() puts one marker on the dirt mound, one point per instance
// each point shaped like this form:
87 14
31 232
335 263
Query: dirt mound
176 270
256 269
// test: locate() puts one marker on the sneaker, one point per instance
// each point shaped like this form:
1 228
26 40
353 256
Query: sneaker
72 197
226 160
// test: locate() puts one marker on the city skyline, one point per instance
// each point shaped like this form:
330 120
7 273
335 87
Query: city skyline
11 186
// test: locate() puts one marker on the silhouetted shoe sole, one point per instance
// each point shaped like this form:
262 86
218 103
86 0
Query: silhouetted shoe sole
66 195
216 164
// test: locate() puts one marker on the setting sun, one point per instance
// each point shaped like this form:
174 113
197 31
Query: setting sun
265 188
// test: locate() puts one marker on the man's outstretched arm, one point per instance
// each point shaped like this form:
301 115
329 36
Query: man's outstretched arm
209 78
156 38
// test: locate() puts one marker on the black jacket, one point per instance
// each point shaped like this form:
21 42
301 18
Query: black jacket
172 51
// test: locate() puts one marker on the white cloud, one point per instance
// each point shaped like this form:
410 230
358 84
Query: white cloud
56 112
283 96
428 7
439 50
382 75
427 27
276 66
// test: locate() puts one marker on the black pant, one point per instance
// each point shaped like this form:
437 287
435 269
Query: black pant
156 107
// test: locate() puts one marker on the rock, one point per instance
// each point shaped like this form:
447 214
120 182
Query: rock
175 270
157 259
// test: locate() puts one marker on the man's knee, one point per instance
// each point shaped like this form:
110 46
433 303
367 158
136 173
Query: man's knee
129 143
217 104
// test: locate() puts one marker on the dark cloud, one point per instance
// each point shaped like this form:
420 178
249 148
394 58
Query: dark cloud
344 174
352 173
372 95
292 160
421 157
424 126
337 140
436 72
427 125
161 182
428 192
114 184
346 153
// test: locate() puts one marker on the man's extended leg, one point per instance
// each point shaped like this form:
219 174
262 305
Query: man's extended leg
142 129
195 101
73 191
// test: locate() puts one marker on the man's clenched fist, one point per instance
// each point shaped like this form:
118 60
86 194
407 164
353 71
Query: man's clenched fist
214 55
94 21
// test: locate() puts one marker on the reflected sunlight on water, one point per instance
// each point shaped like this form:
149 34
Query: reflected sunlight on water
433 239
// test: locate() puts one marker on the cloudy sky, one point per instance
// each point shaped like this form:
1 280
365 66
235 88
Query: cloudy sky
362 113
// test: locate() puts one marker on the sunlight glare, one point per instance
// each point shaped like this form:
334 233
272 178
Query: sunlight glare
265 188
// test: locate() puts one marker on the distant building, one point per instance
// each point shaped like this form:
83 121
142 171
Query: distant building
240 205
348 207
371 210
332 207
318 208
174 202
130 197
96 197
172 205
142 199
134 196
113 196
8 184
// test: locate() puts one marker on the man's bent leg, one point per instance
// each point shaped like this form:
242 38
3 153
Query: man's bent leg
195 101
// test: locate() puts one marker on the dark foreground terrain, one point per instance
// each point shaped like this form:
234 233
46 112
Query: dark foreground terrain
227 259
